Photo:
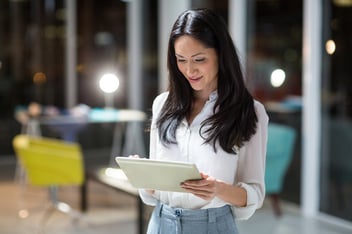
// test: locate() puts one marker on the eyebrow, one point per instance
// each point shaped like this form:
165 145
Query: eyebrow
200 53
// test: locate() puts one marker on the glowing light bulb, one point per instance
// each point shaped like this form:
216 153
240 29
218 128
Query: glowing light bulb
109 83
277 78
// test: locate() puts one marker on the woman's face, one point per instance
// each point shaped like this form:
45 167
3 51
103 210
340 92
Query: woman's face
198 64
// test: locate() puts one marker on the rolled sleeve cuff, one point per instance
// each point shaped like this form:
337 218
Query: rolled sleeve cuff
244 213
147 198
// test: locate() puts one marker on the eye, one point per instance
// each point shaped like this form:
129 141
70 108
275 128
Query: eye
199 60
180 60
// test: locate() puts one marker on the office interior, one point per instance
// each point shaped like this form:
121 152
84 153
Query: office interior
296 59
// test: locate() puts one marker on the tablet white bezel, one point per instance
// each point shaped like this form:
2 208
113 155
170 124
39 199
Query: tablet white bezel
158 175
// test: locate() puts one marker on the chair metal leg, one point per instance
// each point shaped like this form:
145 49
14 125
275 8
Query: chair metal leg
61 206
275 202
45 218
20 178
55 204
31 128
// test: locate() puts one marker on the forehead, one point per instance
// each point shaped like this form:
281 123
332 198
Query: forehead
188 46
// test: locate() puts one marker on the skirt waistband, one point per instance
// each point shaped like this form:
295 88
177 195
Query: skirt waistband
193 215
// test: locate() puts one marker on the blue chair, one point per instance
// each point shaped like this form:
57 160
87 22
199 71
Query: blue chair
280 148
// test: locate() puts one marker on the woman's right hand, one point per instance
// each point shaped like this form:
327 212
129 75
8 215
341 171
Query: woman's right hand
134 156
150 191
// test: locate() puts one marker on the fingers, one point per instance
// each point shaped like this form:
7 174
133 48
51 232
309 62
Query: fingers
134 156
202 193
197 183
201 185
150 191
206 181
205 189
204 176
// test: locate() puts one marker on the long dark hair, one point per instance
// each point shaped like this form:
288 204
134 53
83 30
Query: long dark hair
234 119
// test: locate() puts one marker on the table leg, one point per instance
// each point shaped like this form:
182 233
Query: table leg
83 191
140 216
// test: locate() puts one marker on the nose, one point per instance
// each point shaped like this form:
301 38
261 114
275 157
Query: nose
191 69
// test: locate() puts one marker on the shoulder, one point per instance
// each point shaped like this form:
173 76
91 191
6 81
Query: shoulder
160 98
159 101
260 111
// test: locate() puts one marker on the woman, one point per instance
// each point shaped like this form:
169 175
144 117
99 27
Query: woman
207 117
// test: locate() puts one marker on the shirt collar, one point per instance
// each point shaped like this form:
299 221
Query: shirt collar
213 96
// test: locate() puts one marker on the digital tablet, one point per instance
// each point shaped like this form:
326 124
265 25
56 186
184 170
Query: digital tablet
158 175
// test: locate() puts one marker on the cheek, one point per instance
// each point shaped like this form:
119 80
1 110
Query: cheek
181 68
212 69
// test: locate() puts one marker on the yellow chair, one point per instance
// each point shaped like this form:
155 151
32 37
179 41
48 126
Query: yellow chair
50 163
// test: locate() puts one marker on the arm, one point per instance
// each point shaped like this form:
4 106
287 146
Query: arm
150 197
248 193
209 187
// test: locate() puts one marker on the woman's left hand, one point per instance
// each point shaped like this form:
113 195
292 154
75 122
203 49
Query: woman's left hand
205 188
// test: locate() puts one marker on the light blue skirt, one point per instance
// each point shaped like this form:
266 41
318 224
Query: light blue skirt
168 220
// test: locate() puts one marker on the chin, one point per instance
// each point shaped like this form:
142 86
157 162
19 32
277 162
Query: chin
196 88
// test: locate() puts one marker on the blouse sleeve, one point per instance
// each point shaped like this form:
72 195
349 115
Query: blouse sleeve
158 103
251 167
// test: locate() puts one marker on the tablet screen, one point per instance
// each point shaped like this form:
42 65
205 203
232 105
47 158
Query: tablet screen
158 175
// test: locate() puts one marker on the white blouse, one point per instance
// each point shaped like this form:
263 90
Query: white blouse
246 169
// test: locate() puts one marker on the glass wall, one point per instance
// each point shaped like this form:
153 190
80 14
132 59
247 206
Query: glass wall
274 43
336 167
32 69
32 51
275 47
101 48
32 59
32 35
32 55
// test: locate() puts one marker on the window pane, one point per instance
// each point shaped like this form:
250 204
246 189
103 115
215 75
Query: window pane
101 28
32 40
336 173
274 72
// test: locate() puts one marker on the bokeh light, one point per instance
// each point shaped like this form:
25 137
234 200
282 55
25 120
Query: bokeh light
109 83
330 47
277 78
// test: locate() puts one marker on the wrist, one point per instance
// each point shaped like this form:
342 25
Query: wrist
233 194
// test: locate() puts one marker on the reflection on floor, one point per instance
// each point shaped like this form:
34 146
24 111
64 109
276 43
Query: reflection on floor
109 211
113 212
291 222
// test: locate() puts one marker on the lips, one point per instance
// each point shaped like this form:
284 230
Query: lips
194 79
